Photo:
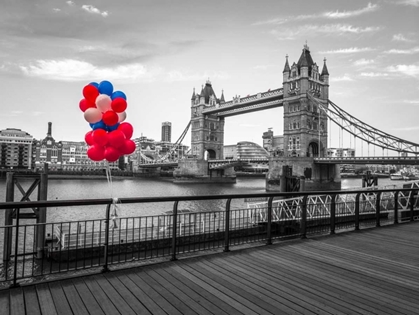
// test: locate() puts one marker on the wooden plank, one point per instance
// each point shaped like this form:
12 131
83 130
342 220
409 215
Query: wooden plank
130 299
60 301
5 301
31 301
100 296
88 299
187 283
212 308
151 293
17 304
116 299
137 291
177 291
45 298
285 298
73 297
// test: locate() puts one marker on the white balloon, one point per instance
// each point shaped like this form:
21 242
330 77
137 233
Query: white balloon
121 116
103 102
92 115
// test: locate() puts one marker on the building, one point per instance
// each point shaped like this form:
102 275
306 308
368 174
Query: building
273 144
166 131
15 149
341 152
250 150
305 132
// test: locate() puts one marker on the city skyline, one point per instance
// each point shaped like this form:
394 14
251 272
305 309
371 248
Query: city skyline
157 52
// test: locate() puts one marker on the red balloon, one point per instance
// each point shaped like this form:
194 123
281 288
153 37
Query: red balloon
96 153
119 104
110 118
128 147
85 104
100 137
90 93
116 138
88 138
111 154
127 129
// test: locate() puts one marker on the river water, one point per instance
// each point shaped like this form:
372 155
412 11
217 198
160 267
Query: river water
70 189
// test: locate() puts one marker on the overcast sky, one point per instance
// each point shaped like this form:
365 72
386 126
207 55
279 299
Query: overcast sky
157 51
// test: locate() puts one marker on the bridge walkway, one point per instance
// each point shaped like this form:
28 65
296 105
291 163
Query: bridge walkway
373 271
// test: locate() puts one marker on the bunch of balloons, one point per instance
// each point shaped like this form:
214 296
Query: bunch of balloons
104 110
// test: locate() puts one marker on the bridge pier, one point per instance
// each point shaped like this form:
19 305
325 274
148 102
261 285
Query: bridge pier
198 171
306 174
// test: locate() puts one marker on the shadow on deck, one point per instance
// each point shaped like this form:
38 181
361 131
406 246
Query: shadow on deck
372 271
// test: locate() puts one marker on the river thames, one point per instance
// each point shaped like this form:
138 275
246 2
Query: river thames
70 189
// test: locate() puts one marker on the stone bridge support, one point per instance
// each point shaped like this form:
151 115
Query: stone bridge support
198 171
313 177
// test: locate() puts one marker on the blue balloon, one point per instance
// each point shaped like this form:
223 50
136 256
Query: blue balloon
105 87
94 84
99 125
118 94
112 128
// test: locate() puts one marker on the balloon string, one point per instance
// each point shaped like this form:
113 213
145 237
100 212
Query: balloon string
114 214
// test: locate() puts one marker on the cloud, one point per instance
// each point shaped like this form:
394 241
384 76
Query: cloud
410 70
411 102
342 78
363 62
75 70
347 50
414 3
70 3
178 76
91 9
414 50
327 15
347 14
401 38
327 29
410 128
374 74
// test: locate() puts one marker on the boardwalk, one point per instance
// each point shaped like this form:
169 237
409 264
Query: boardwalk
373 271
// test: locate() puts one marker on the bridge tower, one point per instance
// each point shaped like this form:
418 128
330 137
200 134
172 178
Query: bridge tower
206 130
305 126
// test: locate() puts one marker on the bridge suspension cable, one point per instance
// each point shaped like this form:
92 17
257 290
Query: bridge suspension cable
364 131
176 144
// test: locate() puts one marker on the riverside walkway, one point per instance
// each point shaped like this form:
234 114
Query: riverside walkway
372 271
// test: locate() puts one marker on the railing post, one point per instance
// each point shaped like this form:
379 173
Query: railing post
412 206
174 229
8 219
332 219
357 213
106 248
378 209
303 216
269 219
227 225
396 194
16 249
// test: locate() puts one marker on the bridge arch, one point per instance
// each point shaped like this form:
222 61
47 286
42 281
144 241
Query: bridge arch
209 154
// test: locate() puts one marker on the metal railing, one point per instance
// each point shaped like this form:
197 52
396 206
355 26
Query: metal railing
100 243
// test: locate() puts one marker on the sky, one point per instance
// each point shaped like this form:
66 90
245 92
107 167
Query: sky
158 51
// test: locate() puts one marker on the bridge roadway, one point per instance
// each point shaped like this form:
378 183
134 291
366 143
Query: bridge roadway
375 160
372 271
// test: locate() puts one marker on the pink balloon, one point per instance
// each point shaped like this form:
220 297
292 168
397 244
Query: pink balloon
92 115
116 138
88 138
100 137
127 129
96 153
110 118
128 147
121 116
111 154
103 102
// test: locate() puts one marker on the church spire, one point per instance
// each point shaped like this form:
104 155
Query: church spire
324 68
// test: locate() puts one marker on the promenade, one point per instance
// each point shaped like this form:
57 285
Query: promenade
373 271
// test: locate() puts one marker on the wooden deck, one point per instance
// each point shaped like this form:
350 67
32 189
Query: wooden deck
373 271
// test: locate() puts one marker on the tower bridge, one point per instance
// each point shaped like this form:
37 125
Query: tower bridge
307 110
